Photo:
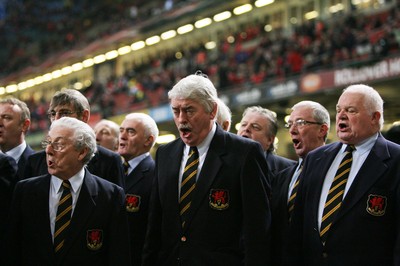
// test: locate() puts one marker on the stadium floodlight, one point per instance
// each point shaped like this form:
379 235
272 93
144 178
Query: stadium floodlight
138 45
30 83
124 50
336 8
210 45
56 74
185 29
22 85
66 70
261 3
153 40
222 16
111 54
38 80
88 62
163 139
311 15
77 66
47 77
99 59
203 23
11 88
242 9
168 34
2 90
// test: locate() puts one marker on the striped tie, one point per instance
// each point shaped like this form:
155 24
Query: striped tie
335 194
126 168
188 183
63 217
293 194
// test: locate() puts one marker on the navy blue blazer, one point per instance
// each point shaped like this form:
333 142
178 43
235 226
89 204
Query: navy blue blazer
279 209
99 216
277 163
23 161
105 164
8 179
229 218
137 189
366 230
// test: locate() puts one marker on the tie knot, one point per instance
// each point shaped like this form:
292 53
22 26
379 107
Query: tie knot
193 150
350 148
66 184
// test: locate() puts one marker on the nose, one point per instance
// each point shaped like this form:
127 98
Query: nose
98 136
49 149
182 117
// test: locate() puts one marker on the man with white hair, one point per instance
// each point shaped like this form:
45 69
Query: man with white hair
68 216
138 134
347 209
210 198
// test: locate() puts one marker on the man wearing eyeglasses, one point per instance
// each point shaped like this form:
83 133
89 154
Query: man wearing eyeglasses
15 120
68 216
308 126
105 164
260 124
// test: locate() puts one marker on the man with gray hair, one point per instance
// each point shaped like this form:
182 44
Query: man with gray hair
224 115
138 134
347 208
260 124
210 198
68 216
308 126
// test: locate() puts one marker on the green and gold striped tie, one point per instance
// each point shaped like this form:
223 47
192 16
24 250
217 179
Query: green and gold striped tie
335 193
63 218
188 183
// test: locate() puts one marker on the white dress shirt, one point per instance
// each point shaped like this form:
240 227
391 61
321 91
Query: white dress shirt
359 156
56 192
203 149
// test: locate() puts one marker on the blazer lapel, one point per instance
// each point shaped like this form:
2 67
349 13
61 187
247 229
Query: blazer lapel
138 173
41 205
371 170
321 166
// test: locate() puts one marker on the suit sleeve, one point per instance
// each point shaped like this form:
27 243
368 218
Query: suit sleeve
12 249
256 208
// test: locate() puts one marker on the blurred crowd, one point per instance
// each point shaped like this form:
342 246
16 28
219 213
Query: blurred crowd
250 55
32 31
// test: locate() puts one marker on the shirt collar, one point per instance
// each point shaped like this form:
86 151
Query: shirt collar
364 146
17 151
76 181
203 147
135 161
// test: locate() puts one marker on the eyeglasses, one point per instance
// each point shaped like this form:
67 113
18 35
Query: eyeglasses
300 123
61 113
56 146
